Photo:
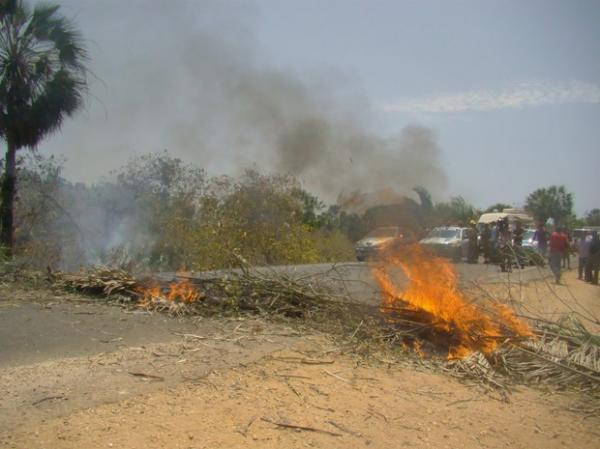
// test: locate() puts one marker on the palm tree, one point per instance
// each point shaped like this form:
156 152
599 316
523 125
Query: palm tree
42 81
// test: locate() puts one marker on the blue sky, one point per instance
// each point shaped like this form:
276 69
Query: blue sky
511 89
416 48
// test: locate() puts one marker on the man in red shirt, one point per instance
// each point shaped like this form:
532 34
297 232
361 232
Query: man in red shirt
558 245
566 257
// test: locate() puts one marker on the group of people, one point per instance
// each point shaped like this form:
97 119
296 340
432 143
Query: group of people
558 246
502 245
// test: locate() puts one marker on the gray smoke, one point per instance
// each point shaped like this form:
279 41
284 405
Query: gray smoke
189 76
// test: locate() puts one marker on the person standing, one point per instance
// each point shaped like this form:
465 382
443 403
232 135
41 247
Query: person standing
593 264
541 237
486 236
566 257
494 236
583 253
558 243
518 243
518 234
504 246
473 253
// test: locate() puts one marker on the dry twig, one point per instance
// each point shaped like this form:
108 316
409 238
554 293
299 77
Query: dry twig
297 427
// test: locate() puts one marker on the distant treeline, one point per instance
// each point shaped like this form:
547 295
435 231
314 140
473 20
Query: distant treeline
161 213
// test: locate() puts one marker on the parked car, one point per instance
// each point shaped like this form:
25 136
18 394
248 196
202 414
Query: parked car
449 241
580 232
375 241
528 241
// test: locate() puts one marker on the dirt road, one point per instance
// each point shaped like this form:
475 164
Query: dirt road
79 374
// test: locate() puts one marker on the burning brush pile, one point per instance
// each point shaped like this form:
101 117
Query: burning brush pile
483 339
433 299
427 316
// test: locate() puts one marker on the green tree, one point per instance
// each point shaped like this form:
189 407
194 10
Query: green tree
47 232
592 218
406 215
455 212
42 81
312 210
553 201
498 207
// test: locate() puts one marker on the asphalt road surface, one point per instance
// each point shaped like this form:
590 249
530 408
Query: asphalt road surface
36 328
48 328
355 277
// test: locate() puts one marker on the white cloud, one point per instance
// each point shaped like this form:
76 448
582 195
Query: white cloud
524 94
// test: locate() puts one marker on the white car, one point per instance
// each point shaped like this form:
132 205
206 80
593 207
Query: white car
375 241
448 241
528 241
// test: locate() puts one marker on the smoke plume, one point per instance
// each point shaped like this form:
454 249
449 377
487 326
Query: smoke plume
190 77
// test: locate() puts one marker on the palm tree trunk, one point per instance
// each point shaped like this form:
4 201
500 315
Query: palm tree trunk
7 195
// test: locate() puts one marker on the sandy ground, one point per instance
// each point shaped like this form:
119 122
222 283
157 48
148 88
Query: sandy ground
545 299
247 383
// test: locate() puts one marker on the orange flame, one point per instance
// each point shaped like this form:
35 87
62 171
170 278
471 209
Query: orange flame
179 291
432 293
183 291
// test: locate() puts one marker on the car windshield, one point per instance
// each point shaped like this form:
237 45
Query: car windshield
580 233
444 233
528 235
391 231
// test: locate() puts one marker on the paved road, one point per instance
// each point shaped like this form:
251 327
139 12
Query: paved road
356 278
45 327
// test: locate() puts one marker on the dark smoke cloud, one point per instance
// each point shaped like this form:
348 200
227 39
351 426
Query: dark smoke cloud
189 76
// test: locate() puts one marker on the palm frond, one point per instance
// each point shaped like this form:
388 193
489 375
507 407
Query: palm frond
42 71
7 8
62 96
45 25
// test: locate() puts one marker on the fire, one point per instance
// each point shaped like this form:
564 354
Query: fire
182 291
178 291
433 296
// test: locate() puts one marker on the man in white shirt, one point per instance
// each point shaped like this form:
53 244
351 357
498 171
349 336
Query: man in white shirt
583 251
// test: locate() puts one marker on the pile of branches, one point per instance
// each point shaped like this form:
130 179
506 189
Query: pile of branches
569 358
104 281
242 290
563 355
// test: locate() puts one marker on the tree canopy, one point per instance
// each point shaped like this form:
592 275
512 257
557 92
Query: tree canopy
592 218
455 212
551 202
498 207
